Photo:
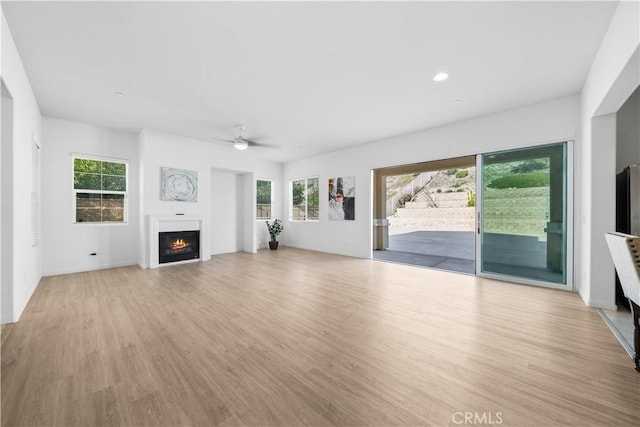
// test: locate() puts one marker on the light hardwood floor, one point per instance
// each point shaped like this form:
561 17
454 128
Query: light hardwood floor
294 337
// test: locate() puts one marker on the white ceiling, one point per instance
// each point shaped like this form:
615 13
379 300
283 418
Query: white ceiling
311 76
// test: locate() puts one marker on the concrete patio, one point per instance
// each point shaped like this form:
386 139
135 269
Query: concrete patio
445 250
510 255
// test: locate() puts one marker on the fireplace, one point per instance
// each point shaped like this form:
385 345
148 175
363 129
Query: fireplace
178 246
157 224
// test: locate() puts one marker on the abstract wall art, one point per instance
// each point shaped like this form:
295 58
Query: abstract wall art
179 185
342 198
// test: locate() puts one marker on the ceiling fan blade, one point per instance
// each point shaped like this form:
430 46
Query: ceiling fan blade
254 142
263 145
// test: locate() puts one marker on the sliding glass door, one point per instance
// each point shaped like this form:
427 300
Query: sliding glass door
523 225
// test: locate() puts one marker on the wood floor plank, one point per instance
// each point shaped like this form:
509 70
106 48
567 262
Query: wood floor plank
294 337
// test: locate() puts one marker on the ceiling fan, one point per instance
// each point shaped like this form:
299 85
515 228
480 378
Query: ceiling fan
242 143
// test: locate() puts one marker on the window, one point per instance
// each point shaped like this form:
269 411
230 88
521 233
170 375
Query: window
305 197
264 198
100 188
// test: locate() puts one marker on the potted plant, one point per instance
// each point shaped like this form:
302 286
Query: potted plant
274 228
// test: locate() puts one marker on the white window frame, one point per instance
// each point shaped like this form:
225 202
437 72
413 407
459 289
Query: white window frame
272 200
125 215
306 202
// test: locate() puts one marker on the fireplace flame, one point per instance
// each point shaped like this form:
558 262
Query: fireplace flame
179 244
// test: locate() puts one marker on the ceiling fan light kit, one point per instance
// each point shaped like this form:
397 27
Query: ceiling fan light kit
240 144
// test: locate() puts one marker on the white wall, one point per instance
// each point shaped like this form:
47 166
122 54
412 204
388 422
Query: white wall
628 132
249 238
66 246
6 217
227 212
3 140
614 75
26 262
555 120
159 149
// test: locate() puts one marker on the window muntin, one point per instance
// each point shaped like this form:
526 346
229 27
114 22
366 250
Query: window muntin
305 198
100 190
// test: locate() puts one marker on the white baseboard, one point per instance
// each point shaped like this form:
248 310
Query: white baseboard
605 305
86 268
7 319
326 251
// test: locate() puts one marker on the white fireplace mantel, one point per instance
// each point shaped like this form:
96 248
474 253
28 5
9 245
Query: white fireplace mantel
187 222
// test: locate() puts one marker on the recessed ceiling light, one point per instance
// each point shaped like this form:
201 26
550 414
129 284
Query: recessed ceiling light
118 93
440 77
457 101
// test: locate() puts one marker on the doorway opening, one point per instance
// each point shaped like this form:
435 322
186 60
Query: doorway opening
425 214
517 227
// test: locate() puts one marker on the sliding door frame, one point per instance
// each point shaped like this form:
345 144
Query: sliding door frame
569 194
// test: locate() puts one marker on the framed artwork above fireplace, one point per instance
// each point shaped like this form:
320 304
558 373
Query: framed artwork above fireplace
178 185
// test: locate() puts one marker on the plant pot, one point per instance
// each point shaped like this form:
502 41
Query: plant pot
273 245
